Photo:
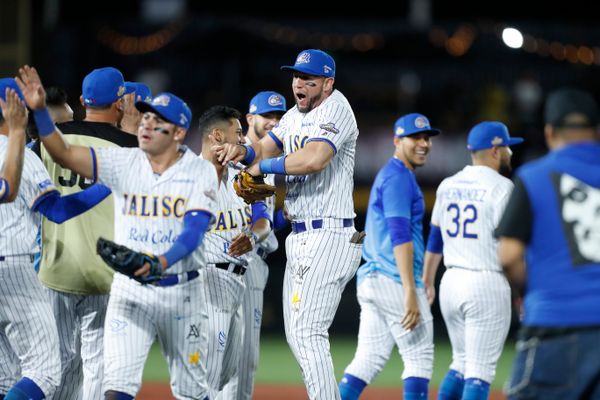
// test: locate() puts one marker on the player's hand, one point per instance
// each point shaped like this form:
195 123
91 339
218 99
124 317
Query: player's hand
14 112
241 244
411 310
31 85
144 271
430 291
254 170
229 152
131 116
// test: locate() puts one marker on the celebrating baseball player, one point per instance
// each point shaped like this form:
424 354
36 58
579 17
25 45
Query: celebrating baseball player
318 139
165 197
474 294
29 347
237 231
391 294
265 110
77 280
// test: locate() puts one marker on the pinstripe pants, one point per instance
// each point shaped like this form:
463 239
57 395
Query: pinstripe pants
28 335
320 263
80 322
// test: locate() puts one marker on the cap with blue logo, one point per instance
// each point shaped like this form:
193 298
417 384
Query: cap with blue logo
12 84
313 62
266 102
103 86
170 108
488 134
411 124
141 89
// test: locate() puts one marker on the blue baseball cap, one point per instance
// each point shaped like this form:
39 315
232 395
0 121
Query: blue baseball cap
9 83
265 102
170 107
140 89
313 62
103 86
488 134
411 124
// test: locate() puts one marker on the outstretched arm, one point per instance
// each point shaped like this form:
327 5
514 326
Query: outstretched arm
15 115
59 209
76 158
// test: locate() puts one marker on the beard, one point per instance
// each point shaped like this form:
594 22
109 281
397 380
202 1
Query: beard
505 169
311 103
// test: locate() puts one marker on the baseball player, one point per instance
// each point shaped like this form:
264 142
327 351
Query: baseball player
474 294
264 112
77 280
29 347
237 231
390 291
164 202
318 139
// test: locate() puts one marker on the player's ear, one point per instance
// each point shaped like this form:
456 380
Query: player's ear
179 134
81 101
328 84
249 119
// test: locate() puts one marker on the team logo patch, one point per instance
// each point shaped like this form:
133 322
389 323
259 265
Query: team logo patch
194 358
253 108
274 100
303 58
421 122
399 131
497 141
162 100
148 99
45 184
121 91
579 205
329 127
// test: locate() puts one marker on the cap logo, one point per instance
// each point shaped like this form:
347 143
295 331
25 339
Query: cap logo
182 119
327 69
399 130
421 122
162 100
497 140
274 100
303 58
121 91
253 108
148 99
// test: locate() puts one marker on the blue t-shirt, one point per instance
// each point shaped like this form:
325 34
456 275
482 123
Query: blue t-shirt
395 193
563 253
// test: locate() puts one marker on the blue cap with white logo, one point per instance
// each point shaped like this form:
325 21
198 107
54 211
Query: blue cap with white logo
170 108
313 62
488 134
12 84
102 86
141 89
411 124
266 102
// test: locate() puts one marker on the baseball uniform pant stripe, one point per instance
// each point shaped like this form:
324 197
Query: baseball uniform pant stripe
381 302
476 309
320 264
28 325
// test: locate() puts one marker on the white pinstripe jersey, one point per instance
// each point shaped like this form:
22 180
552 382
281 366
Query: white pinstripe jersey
149 208
233 216
270 244
468 207
328 193
18 224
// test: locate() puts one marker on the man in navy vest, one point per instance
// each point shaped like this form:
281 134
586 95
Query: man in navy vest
552 225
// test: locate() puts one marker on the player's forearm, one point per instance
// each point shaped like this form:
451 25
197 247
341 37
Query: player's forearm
261 228
13 164
430 266
403 253
511 252
314 157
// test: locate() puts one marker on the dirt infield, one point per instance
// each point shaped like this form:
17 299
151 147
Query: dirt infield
161 391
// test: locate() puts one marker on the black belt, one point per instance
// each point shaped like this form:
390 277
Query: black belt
171 280
299 227
5 258
231 267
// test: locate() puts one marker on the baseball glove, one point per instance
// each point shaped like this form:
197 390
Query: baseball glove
252 188
127 261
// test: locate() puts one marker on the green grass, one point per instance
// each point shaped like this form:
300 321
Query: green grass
277 364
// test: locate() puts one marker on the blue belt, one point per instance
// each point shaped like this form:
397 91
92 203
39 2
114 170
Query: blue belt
171 280
299 227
